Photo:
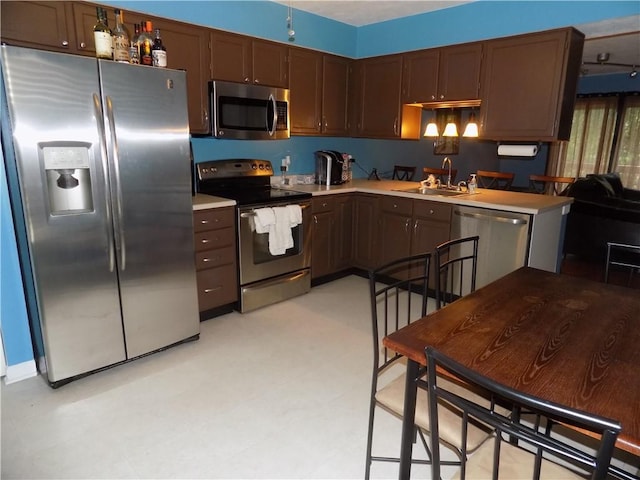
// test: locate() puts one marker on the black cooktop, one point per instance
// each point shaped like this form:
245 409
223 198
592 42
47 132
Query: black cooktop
247 181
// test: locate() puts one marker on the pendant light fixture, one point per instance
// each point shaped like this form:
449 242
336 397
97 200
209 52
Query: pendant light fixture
471 130
432 128
451 129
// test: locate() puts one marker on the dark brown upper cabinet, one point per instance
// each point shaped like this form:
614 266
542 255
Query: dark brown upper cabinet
44 25
188 49
318 93
239 58
420 76
380 111
305 95
335 95
449 74
529 85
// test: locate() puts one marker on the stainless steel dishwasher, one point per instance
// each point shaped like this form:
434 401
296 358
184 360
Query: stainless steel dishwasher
504 239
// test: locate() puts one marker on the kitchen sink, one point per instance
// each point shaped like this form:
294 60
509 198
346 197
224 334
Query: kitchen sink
444 192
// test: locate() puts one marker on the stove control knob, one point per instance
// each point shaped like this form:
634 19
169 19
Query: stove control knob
262 166
254 166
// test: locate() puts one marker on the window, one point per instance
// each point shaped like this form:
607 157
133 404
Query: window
605 137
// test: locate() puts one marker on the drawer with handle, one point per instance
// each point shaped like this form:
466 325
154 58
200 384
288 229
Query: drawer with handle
213 218
215 239
215 258
217 286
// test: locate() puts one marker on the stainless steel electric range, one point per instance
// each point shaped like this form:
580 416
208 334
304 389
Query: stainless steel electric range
264 278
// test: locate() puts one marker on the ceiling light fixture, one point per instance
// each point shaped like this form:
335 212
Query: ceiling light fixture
290 31
602 59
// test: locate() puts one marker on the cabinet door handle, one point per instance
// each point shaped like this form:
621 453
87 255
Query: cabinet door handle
246 79
207 259
406 225
204 222
315 219
83 45
209 290
395 126
204 240
415 226
65 43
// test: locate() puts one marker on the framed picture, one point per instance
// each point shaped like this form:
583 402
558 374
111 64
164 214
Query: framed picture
446 145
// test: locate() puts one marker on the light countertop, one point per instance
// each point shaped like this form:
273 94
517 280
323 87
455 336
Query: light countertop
530 203
203 202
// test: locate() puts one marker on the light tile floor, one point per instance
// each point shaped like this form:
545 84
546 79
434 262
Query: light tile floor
281 392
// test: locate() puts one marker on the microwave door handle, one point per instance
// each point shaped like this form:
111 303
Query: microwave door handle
274 119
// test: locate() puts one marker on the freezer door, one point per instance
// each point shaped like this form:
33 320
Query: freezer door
54 109
145 113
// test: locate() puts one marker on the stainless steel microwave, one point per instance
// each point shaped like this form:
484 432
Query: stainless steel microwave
248 112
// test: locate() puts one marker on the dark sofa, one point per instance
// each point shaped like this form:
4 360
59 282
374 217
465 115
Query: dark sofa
602 211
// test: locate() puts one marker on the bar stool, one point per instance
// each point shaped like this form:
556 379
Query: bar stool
622 255
547 184
403 173
495 180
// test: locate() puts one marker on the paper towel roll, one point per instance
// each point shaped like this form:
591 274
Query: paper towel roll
518 150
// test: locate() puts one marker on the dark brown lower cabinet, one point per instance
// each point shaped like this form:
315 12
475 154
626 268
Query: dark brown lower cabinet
331 234
216 267
366 227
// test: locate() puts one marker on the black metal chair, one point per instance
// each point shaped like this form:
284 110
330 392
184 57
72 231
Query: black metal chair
495 180
403 173
456 264
519 449
398 292
622 255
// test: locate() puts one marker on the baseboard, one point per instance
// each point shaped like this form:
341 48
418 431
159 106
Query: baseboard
21 371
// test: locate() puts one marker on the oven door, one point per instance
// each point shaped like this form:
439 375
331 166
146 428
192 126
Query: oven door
256 262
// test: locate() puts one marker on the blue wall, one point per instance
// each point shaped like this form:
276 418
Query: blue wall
468 22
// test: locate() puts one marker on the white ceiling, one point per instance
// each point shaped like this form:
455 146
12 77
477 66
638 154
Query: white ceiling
618 37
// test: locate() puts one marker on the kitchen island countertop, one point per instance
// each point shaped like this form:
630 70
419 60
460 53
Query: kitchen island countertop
519 202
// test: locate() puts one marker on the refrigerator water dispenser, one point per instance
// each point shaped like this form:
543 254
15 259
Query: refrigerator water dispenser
68 179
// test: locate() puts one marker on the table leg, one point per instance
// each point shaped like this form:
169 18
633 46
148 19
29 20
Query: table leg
408 419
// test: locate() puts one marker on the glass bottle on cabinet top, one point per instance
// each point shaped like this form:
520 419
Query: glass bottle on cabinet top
102 35
120 39
159 52
145 43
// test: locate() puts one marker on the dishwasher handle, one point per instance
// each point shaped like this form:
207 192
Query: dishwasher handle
494 218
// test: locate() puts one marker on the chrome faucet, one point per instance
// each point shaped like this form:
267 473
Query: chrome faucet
444 162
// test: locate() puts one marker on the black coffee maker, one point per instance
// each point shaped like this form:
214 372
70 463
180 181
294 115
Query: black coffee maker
329 167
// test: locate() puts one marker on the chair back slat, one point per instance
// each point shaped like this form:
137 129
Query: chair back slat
399 294
456 265
523 442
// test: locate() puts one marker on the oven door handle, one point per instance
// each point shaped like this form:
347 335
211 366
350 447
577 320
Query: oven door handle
252 213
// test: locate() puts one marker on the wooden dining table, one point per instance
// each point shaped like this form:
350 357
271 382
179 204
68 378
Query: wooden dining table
565 339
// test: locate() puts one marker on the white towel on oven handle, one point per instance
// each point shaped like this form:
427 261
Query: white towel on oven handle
280 237
264 220
295 214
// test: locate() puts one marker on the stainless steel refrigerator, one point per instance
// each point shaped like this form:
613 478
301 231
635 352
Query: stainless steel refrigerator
98 165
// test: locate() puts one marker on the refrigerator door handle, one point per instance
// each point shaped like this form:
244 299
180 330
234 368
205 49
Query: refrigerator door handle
105 172
116 167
